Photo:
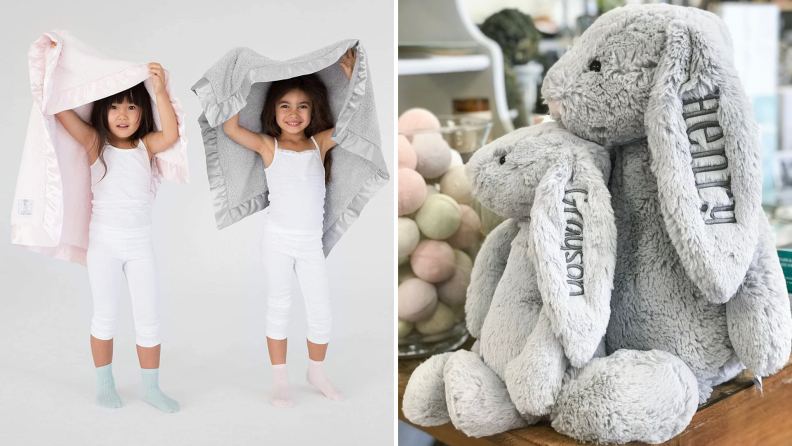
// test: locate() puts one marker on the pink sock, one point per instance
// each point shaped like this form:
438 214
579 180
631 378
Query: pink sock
316 377
280 381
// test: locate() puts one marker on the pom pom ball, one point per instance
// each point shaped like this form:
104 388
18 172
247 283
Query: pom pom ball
441 320
433 154
412 191
417 300
462 259
439 217
417 119
455 184
469 230
453 291
456 159
405 328
408 236
433 261
407 157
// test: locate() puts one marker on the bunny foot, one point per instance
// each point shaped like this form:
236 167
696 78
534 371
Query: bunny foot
647 396
478 402
424 401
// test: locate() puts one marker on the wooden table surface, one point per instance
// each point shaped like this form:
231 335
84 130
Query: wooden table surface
737 413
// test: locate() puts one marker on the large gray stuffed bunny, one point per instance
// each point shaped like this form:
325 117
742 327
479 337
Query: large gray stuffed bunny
697 273
538 301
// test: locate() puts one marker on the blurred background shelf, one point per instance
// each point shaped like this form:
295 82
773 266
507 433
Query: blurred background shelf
443 64
434 81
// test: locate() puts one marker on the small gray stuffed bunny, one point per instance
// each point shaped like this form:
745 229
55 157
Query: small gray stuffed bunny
697 274
539 296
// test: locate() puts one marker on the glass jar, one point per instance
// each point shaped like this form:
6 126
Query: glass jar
434 304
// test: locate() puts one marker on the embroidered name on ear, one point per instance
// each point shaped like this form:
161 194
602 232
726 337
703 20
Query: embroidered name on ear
25 206
573 242
709 163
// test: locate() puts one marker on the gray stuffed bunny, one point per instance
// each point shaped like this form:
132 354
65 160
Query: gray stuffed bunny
539 296
697 273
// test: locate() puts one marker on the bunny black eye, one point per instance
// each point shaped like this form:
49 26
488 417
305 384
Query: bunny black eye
503 159
595 66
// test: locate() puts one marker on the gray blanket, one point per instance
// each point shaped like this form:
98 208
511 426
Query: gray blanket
238 83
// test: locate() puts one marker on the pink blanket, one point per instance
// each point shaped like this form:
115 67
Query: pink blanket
52 203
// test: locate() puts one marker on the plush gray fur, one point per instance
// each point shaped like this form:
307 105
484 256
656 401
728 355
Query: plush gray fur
430 392
626 380
535 376
477 400
489 267
697 273
532 320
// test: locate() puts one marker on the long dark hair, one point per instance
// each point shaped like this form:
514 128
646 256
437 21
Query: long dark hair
321 115
137 95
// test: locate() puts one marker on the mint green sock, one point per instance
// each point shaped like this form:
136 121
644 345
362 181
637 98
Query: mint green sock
153 395
106 395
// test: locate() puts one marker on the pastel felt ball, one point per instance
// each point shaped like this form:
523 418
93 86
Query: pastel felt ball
412 191
417 300
462 259
405 273
454 290
469 229
456 159
417 119
455 184
439 217
473 250
405 328
442 319
407 157
433 261
433 154
408 236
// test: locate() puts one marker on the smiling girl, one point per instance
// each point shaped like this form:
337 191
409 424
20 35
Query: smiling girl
120 141
295 148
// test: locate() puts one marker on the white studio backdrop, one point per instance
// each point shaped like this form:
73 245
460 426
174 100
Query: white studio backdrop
212 305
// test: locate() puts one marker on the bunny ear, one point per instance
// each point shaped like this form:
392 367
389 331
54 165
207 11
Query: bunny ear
574 250
705 155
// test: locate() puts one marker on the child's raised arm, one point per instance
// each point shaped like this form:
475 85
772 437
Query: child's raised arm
324 141
160 141
244 137
80 130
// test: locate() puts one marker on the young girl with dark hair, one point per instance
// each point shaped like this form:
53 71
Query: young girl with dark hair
296 150
120 141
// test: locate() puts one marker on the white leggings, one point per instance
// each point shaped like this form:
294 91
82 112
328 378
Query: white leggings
113 253
281 255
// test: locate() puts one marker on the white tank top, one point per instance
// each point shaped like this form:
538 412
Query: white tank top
296 182
123 198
